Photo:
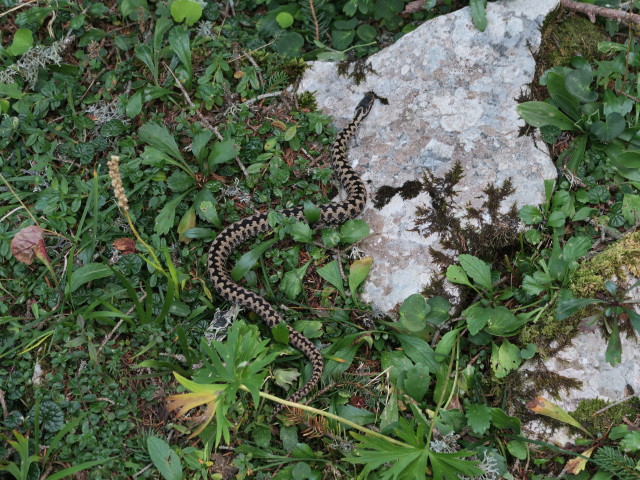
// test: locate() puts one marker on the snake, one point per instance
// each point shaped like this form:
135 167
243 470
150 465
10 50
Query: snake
330 213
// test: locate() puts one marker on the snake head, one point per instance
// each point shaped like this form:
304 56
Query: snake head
364 107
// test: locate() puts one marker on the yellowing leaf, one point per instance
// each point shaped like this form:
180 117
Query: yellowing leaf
187 222
358 272
545 407
577 464
279 124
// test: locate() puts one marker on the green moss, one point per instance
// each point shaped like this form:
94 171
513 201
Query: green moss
566 36
613 263
308 100
356 70
294 68
599 423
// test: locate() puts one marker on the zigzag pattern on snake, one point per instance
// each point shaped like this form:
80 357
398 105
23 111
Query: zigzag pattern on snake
331 213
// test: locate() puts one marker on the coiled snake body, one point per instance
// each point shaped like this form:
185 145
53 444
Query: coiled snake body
243 230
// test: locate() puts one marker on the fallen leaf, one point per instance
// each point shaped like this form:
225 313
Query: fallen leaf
125 245
544 407
26 243
577 464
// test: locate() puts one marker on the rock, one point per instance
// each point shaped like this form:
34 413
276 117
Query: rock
583 359
452 97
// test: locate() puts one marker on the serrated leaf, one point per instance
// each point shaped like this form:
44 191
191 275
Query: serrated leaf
159 137
301 232
331 273
166 216
504 359
530 215
478 417
204 203
478 270
456 274
291 283
281 333
180 180
222 152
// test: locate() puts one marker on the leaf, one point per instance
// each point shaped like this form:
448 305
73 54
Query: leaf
249 259
567 102
354 230
222 152
530 215
413 313
539 114
164 458
440 308
416 383
631 441
456 274
578 146
341 39
187 222
387 8
289 44
478 417
359 416
505 358
311 212
204 203
478 270
301 232
284 19
28 243
291 283
331 273
418 350
180 180
179 42
281 333
444 346
290 133
477 317
568 307
544 407
613 354
631 208
479 13
199 144
518 449
449 464
166 216
610 129
22 42
578 84
87 273
576 247
158 136
577 464
188 11
502 322
330 237
358 271
366 33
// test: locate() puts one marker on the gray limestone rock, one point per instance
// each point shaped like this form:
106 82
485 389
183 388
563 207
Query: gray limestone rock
452 97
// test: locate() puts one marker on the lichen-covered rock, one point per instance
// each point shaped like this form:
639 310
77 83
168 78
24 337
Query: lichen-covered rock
452 97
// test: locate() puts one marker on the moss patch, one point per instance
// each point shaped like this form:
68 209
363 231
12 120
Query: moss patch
599 423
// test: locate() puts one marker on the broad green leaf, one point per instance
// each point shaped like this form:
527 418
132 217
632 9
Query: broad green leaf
631 441
502 322
311 212
456 274
222 152
180 180
387 8
166 216
88 273
330 237
281 333
609 129
478 270
568 103
341 39
22 42
200 143
440 308
179 42
164 458
578 146
204 203
505 358
518 449
479 13
366 33
301 232
291 283
289 44
576 247
159 137
570 306
539 114
249 259
187 222
357 273
445 344
613 354
413 313
530 215
631 208
358 416
477 317
418 350
578 84
634 318
353 230
616 103
290 133
478 417
556 219
416 383
450 465
188 11
331 273
284 19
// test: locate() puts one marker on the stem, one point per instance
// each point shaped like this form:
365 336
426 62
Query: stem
322 413
155 265
18 198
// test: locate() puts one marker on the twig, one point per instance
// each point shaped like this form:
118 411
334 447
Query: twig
257 67
613 405
627 95
186 96
315 19
17 7
592 11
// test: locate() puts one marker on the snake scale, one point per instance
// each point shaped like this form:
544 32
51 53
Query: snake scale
331 213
